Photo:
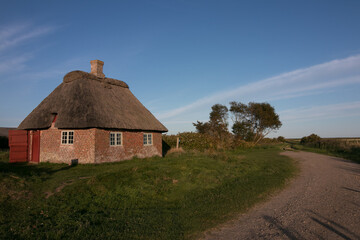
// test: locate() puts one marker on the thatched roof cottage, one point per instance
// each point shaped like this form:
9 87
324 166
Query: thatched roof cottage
94 119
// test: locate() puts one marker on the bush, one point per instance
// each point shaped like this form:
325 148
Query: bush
337 147
191 141
268 141
241 144
281 139
202 142
313 138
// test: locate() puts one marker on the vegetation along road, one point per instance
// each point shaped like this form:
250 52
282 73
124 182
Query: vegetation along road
323 202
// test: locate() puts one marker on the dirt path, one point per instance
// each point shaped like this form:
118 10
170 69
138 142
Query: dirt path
323 202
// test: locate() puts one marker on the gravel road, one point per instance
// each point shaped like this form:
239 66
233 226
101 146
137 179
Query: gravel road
322 202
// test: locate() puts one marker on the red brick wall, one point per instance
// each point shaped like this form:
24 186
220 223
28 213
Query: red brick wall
83 149
132 145
93 146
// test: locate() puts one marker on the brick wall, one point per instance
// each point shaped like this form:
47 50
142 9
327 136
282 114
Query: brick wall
83 149
93 146
132 145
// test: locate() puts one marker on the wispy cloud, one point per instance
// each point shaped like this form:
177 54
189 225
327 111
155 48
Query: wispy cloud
13 35
305 81
13 63
347 109
8 31
12 38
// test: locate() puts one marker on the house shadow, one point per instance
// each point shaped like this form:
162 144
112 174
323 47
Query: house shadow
165 148
28 170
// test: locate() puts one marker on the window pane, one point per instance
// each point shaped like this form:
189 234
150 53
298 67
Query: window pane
71 138
118 139
64 138
145 139
112 139
149 138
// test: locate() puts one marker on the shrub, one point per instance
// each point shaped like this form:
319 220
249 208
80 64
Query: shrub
313 138
268 141
202 142
241 144
281 139
336 147
191 141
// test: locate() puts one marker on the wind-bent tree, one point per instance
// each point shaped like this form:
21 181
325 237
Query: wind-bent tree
202 127
254 121
242 130
217 126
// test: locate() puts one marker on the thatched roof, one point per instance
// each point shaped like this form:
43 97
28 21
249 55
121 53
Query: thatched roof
84 100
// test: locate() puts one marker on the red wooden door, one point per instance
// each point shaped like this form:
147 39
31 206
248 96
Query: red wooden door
35 151
18 142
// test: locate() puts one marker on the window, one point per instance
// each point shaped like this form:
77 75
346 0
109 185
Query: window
67 137
147 138
115 139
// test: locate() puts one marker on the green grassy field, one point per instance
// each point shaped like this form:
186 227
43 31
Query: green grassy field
176 197
348 148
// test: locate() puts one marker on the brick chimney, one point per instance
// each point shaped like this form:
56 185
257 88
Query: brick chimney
97 68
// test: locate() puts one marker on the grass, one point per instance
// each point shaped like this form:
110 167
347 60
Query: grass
351 152
176 197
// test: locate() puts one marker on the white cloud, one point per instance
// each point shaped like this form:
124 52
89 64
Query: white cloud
13 63
13 35
10 30
301 82
347 109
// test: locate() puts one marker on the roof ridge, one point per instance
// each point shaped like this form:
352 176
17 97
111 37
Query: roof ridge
77 74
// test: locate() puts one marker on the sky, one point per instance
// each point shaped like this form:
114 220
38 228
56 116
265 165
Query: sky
181 57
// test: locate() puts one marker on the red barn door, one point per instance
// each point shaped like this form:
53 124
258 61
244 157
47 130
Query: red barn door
35 151
22 142
18 142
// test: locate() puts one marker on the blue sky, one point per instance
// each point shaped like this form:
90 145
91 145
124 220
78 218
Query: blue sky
181 57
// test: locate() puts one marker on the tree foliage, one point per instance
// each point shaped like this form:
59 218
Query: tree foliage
217 126
243 131
280 139
254 121
202 127
313 138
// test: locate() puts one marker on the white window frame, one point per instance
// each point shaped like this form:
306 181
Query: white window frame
67 137
117 141
148 139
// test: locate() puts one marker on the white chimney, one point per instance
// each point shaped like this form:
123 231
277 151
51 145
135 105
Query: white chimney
97 68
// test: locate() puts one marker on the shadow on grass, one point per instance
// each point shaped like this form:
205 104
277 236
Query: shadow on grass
28 170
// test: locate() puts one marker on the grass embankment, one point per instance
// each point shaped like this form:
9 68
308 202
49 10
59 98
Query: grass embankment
175 197
336 148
